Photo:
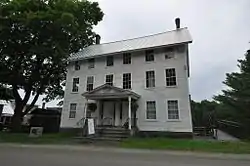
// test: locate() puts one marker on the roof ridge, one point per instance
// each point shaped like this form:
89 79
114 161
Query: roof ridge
138 37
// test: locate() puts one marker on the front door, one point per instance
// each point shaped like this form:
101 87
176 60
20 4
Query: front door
109 113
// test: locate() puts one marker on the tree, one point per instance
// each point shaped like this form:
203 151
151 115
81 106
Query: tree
203 113
5 93
36 38
237 96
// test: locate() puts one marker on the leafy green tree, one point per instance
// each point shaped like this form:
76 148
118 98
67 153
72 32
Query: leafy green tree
36 38
237 97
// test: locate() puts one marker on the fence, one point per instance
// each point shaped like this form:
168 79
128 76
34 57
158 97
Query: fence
234 128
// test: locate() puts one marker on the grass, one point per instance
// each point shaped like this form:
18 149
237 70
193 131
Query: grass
141 143
187 145
58 138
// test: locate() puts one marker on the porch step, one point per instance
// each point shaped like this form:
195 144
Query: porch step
93 139
110 133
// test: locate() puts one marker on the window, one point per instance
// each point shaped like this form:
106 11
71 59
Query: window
126 81
90 83
91 63
126 58
151 110
150 79
75 85
149 56
109 79
169 52
77 65
173 110
169 56
72 110
110 60
170 77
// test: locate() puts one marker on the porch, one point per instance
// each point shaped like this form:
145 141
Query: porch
116 107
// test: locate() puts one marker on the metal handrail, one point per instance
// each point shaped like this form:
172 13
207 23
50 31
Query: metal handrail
81 122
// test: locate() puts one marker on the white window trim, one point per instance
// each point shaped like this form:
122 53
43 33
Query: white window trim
176 75
179 112
72 85
131 62
170 53
70 110
74 66
151 120
89 68
107 60
145 78
87 81
131 80
113 78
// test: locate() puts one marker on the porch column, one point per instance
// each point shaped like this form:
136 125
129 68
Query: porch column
86 108
129 112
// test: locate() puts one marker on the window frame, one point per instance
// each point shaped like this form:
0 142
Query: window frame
77 65
149 55
87 83
91 63
176 82
126 60
108 64
169 51
72 111
178 105
112 79
148 79
146 108
128 83
75 85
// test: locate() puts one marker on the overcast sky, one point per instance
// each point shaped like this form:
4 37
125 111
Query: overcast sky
220 31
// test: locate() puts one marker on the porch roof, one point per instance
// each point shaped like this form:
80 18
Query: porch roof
109 92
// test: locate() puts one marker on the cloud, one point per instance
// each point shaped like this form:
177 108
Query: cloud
220 31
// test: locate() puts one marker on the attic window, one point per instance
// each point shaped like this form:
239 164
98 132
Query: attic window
91 63
127 58
77 65
169 53
110 60
149 56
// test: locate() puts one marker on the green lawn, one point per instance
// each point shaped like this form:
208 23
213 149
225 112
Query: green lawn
58 138
188 145
141 143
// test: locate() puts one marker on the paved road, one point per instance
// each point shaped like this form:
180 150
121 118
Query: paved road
37 156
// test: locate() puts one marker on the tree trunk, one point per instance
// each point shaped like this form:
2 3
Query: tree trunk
17 119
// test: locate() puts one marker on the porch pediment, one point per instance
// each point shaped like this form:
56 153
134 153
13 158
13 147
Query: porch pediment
107 91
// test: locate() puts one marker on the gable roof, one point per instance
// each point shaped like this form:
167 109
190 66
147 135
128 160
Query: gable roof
107 91
174 37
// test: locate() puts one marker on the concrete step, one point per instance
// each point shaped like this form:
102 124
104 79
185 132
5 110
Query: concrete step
111 128
93 139
122 132
114 135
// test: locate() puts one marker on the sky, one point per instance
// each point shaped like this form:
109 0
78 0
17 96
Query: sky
220 30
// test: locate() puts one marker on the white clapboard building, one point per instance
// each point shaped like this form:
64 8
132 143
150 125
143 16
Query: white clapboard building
140 83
